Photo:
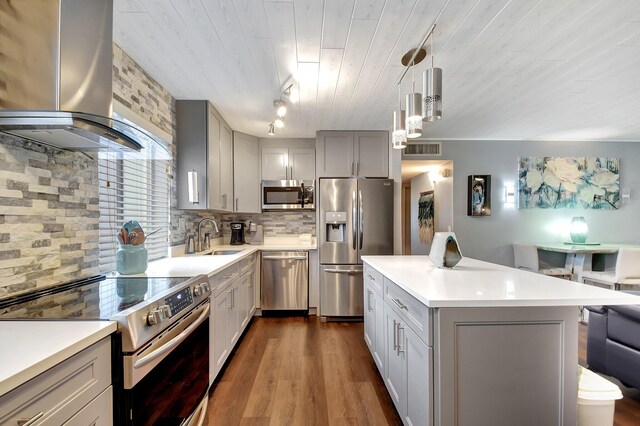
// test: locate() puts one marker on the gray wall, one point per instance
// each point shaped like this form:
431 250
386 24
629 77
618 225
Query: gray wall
489 238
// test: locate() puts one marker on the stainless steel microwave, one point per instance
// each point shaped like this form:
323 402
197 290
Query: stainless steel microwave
288 195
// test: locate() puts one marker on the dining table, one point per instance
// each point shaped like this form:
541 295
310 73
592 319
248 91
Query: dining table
592 256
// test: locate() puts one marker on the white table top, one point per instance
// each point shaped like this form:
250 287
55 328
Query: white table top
32 347
604 248
474 283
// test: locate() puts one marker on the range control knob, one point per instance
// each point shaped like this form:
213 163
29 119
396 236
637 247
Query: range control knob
166 311
197 290
154 317
205 287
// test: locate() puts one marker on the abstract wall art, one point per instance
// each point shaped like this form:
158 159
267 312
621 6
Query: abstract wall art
426 217
569 182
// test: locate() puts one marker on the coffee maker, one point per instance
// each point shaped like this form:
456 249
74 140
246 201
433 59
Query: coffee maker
237 233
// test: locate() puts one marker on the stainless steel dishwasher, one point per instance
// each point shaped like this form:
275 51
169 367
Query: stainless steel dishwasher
285 280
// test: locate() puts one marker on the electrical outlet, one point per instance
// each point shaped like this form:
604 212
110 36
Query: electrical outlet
182 224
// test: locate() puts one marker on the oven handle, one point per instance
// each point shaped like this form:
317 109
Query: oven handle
201 411
173 342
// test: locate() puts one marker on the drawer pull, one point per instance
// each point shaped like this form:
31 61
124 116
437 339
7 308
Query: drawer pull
400 304
370 278
32 420
226 277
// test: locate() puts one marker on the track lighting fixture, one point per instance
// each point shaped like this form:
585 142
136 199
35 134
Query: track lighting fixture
280 107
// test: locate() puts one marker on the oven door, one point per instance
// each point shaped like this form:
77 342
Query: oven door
166 382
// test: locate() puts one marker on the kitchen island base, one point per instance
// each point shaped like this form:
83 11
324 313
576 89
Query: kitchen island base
505 366
479 344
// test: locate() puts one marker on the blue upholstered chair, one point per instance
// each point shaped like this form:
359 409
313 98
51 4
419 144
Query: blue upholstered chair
613 342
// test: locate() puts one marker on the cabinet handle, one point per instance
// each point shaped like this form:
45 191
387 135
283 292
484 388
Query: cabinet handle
230 295
352 168
226 277
32 420
357 168
192 184
370 278
236 204
400 304
400 348
395 334
291 174
369 300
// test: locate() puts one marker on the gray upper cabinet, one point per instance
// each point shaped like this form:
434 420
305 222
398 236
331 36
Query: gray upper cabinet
246 174
205 158
288 163
362 154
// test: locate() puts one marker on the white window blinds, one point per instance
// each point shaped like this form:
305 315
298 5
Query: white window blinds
133 187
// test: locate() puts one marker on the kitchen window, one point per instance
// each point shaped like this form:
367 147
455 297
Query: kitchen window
134 186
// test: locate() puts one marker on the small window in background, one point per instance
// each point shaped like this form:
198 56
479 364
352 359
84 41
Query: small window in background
134 186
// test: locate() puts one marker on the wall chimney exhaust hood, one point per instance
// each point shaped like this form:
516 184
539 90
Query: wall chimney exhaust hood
56 75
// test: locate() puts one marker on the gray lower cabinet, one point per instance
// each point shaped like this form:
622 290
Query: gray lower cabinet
75 392
473 365
232 306
374 324
396 328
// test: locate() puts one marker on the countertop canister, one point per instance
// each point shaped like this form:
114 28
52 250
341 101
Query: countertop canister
131 259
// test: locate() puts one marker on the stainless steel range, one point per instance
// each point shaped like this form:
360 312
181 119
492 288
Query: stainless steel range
161 366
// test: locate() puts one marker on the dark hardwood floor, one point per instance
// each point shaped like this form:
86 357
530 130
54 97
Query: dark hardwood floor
300 371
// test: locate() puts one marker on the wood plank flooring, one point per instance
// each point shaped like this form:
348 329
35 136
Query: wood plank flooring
299 371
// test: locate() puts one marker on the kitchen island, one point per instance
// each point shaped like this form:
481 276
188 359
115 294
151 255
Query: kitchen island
479 344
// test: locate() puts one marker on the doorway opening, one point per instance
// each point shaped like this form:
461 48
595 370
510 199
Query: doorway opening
427 202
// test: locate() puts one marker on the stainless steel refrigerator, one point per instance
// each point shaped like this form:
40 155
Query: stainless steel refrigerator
356 219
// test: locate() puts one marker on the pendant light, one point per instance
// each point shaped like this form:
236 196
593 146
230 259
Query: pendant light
413 124
432 89
279 122
399 135
271 131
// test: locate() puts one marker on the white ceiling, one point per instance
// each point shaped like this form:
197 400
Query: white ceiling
512 69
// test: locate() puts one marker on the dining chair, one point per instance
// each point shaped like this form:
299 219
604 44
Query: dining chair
626 275
526 258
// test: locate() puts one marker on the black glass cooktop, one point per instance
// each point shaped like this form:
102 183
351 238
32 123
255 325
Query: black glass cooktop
95 298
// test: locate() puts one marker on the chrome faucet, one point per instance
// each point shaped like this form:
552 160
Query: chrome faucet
215 225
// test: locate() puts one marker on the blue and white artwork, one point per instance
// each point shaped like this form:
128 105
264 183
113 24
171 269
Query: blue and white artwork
569 182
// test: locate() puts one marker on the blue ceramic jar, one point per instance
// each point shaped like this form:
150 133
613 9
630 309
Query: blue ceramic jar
131 259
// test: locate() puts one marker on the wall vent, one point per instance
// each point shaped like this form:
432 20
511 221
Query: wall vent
419 150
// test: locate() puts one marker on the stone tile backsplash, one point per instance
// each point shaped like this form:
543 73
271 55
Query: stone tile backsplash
48 216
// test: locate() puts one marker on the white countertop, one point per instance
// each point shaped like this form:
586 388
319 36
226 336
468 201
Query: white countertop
32 347
474 283
202 263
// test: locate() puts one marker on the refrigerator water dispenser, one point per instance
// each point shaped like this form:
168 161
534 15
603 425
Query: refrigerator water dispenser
336 223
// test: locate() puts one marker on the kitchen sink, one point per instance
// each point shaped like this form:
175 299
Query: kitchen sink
224 252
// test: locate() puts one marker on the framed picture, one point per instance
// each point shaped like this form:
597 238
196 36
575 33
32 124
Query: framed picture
426 217
479 195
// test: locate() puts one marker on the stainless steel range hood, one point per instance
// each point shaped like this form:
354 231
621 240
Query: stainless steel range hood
56 75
